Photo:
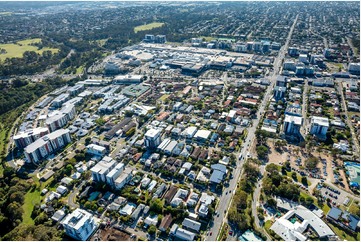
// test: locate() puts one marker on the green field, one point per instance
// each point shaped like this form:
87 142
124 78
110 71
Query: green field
299 178
17 49
207 38
6 13
148 26
79 70
164 97
33 197
343 234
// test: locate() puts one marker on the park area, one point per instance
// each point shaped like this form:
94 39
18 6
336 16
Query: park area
17 49
148 26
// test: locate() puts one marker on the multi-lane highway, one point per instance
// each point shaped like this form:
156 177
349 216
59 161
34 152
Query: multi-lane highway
227 196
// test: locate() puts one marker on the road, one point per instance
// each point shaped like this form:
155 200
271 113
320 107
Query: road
349 42
255 204
344 107
225 199
304 109
72 195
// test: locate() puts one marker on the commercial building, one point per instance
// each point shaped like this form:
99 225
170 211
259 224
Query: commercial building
319 126
354 68
102 168
128 79
96 150
59 119
344 219
79 225
289 228
114 174
47 145
292 124
59 100
202 135
279 92
123 178
23 139
75 89
152 138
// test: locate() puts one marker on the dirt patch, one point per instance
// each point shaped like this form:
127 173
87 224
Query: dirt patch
111 234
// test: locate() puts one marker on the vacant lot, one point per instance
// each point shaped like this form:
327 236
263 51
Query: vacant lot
17 49
110 234
148 26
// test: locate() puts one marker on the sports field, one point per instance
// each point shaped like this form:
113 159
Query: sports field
17 49
148 26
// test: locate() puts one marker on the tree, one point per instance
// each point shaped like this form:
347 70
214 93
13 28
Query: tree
130 132
272 202
355 210
15 211
100 121
304 180
240 199
41 218
309 201
311 163
17 197
262 151
152 229
156 205
87 140
294 175
272 168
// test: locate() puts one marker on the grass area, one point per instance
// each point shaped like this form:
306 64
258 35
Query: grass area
101 42
227 39
6 13
17 49
1 171
164 97
207 38
325 208
31 198
267 225
79 70
343 235
2 137
222 233
299 177
148 26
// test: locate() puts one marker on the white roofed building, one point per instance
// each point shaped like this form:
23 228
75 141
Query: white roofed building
79 225
319 126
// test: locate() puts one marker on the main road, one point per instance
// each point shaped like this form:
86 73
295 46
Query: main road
226 197
356 149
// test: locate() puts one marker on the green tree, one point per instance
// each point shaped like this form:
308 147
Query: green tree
311 163
41 218
262 151
152 229
294 175
304 180
156 205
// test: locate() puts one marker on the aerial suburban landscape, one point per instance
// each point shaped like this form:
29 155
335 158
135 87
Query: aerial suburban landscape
180 121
